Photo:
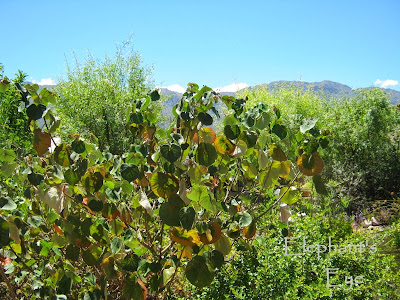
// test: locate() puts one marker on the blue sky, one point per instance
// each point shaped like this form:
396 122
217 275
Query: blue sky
215 43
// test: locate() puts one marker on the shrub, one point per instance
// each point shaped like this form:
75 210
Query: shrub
96 97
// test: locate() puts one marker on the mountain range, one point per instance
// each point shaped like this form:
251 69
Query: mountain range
329 88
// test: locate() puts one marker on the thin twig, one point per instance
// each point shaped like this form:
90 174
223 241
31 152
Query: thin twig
279 199
13 295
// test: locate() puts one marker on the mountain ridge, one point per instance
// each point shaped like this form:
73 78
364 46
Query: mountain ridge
331 88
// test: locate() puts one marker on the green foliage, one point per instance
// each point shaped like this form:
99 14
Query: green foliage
172 205
97 96
265 272
14 123
362 154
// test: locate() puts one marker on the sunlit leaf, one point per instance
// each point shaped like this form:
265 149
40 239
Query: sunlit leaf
224 145
223 245
92 181
240 150
163 184
250 230
7 155
290 195
277 153
212 234
184 237
61 155
307 125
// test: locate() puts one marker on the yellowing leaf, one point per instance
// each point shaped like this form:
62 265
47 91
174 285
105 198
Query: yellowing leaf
212 234
41 141
163 184
310 165
184 237
277 153
224 145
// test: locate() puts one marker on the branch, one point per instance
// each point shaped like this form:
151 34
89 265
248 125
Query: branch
13 295
279 199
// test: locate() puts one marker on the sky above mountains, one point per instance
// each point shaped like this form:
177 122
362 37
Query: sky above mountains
214 43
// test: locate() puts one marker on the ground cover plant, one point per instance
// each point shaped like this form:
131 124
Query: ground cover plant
77 222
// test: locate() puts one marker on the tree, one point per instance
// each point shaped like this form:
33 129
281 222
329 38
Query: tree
95 97
175 205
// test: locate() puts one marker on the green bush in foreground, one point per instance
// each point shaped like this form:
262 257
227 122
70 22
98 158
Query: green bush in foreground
265 272
79 222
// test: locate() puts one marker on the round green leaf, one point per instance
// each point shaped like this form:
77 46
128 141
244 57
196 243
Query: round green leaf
244 218
96 205
89 258
216 259
280 131
72 252
129 172
169 211
186 217
206 154
71 177
171 152
136 118
205 118
35 178
232 132
163 184
92 181
198 272
61 155
251 138
78 146
130 262
35 112
116 244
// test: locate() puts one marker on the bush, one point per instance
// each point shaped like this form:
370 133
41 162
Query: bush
363 156
265 272
97 96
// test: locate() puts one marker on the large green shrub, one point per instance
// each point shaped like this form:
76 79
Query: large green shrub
97 95
363 156
93 224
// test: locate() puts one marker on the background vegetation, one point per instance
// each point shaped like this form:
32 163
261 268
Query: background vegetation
95 97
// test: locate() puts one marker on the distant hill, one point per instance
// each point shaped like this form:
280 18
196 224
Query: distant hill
331 88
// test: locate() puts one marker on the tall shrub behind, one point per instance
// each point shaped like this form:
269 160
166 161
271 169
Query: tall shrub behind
95 97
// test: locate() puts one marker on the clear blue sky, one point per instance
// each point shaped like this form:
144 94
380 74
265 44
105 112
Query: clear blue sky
214 43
